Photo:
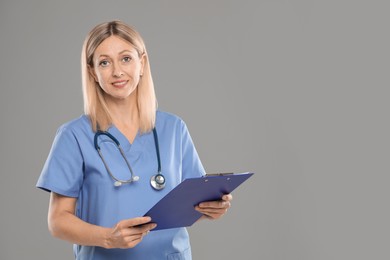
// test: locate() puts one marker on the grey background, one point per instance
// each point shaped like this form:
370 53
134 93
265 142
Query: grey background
296 91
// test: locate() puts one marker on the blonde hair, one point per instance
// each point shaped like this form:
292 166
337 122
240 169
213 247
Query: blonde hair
95 105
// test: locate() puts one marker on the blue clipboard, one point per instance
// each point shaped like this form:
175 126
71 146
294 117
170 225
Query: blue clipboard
176 209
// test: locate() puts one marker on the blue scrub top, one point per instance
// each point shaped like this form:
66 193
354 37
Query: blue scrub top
74 169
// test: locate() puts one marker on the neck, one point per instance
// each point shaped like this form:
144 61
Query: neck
124 112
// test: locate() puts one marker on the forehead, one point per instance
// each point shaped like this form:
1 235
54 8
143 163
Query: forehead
113 45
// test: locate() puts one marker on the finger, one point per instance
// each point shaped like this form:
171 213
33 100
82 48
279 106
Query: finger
133 238
138 230
227 197
211 211
134 222
133 241
215 204
212 215
143 228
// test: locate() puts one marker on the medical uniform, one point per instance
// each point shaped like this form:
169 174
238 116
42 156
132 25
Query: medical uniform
74 169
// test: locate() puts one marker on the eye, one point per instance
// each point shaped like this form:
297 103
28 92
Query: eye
126 59
104 63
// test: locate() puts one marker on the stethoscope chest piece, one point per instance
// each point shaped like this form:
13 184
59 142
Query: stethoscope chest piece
157 181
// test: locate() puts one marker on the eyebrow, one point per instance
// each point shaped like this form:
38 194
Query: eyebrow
105 55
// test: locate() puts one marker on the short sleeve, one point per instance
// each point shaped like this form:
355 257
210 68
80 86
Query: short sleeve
63 170
191 164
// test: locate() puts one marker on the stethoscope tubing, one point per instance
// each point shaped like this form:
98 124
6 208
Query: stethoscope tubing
156 143
157 181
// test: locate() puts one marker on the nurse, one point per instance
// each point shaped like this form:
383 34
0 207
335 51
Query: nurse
88 206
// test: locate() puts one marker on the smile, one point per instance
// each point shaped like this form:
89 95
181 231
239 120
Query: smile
119 84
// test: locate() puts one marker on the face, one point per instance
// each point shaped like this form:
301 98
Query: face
117 68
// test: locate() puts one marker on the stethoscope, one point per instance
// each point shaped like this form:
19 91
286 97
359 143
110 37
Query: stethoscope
157 181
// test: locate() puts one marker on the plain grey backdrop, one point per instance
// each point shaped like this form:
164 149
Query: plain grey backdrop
296 91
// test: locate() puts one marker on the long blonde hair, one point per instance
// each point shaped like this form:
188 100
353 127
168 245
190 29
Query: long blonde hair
95 105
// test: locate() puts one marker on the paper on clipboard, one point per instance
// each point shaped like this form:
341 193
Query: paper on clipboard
177 208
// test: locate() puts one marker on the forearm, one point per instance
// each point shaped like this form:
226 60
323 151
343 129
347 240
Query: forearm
69 227
64 224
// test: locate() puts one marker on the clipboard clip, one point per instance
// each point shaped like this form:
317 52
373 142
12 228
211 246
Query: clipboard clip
218 174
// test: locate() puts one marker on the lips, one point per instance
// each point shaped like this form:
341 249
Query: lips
119 83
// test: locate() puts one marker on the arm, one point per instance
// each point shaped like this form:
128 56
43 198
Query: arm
215 209
64 224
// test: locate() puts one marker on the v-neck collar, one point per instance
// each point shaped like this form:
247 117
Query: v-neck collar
137 143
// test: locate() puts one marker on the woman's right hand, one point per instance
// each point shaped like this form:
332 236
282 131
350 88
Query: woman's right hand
129 232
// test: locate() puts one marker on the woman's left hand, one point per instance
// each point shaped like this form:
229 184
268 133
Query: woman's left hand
215 209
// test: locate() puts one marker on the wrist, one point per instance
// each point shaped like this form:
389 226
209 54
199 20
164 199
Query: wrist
105 238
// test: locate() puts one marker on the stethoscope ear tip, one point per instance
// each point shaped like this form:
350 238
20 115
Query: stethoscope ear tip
119 183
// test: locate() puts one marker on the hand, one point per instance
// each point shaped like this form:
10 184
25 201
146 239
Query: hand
215 209
128 233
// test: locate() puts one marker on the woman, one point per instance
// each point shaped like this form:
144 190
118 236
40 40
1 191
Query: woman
99 189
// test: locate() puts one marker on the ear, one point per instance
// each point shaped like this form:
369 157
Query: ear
143 62
92 73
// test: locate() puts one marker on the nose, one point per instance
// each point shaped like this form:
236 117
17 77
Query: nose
117 70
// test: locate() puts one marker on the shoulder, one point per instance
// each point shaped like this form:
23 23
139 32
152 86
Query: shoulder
82 122
76 126
170 123
163 117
